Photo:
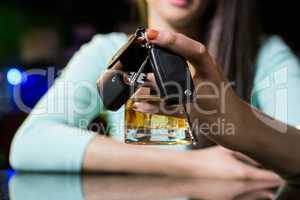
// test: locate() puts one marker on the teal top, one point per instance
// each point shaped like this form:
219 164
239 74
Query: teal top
54 137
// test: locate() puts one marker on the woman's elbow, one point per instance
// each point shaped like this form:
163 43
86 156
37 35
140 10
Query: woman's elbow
17 155
23 150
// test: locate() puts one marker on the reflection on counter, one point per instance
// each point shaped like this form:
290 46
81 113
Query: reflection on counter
112 187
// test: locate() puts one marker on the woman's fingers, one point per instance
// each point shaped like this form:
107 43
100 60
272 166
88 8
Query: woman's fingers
190 49
151 78
243 170
251 172
150 82
195 52
145 108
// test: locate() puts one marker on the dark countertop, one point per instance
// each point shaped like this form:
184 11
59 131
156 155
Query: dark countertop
117 186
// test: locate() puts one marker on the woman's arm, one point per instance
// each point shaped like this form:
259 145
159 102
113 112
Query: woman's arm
267 140
272 143
54 136
104 154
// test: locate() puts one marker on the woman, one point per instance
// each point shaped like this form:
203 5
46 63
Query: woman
50 140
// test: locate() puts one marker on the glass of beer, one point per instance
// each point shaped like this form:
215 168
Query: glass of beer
154 129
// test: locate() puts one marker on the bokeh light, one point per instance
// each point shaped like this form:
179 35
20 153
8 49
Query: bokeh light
14 76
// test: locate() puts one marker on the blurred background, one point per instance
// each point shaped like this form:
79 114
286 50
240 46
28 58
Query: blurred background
45 34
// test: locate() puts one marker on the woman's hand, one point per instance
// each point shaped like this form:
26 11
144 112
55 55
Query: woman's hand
214 98
213 93
218 162
202 65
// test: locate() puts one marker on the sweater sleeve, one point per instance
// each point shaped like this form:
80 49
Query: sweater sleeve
54 136
277 82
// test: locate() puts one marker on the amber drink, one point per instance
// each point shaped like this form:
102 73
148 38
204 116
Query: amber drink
153 129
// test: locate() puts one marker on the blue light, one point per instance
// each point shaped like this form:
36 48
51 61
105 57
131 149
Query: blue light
14 76
10 173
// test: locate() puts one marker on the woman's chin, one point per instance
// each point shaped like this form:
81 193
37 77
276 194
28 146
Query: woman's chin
179 21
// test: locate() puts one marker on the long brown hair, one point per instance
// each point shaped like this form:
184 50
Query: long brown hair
233 32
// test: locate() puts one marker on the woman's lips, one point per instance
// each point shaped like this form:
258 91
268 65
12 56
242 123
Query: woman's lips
180 3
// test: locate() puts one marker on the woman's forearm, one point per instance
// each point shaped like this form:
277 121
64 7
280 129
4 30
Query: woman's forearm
272 143
104 154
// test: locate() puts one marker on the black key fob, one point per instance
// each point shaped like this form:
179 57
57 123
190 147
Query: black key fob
172 76
113 90
138 56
